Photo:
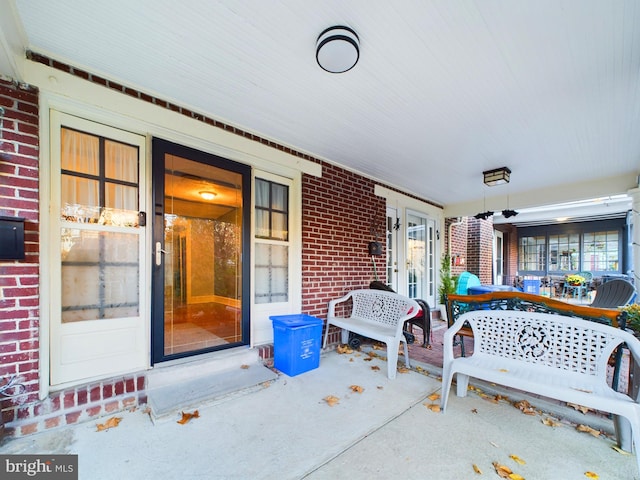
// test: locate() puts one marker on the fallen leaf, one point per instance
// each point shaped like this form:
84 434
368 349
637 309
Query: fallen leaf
357 388
489 398
403 370
591 475
186 416
111 423
331 400
477 469
525 407
515 476
244 367
372 354
351 359
503 370
344 349
368 359
549 422
375 367
380 387
474 410
434 396
580 408
621 451
434 407
587 429
376 347
502 470
517 459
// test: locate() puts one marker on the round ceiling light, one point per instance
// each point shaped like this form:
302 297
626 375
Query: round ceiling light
208 195
337 49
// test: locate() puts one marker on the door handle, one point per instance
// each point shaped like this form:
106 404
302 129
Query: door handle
159 250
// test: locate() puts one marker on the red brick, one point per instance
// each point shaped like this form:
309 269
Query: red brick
107 391
129 401
72 417
119 388
52 422
82 396
111 407
94 393
130 385
93 411
28 429
69 400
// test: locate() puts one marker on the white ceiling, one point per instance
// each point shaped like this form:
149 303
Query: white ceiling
442 91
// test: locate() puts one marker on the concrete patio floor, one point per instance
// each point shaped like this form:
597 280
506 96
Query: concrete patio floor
286 430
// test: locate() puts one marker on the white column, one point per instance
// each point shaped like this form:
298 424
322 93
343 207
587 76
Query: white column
635 221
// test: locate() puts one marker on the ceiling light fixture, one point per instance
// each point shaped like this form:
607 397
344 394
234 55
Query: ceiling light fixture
497 176
337 49
208 195
509 213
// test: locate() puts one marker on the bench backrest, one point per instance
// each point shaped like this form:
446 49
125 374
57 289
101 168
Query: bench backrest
388 308
614 293
528 302
557 341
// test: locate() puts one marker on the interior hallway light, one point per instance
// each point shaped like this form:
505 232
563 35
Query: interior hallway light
337 49
497 176
208 195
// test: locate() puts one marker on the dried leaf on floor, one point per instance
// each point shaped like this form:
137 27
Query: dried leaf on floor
579 408
517 459
589 430
591 475
434 407
403 370
515 476
477 469
186 417
621 451
357 388
344 349
488 398
368 359
502 470
331 400
351 359
377 346
434 396
503 370
244 367
113 422
525 407
474 410
372 354
550 422
375 367
380 387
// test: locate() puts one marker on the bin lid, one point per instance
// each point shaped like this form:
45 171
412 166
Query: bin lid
296 320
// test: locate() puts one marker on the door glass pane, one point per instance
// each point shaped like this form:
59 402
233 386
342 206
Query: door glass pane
416 256
272 273
100 272
202 259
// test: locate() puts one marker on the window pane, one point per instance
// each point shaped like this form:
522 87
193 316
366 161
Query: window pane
262 193
80 199
121 197
601 251
121 161
279 194
80 152
279 226
262 223
272 273
100 272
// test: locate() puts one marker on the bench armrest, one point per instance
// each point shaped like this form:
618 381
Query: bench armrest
332 304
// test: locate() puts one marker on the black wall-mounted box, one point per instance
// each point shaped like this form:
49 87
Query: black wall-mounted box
11 238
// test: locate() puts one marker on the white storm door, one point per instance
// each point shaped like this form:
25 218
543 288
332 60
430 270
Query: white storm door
98 309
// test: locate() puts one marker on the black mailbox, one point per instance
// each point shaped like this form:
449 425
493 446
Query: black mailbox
11 238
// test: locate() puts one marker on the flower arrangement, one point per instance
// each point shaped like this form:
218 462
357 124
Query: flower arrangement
575 279
633 316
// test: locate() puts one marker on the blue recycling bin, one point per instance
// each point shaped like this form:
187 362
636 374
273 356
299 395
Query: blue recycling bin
531 286
296 343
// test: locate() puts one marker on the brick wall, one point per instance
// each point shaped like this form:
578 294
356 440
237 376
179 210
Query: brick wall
19 279
458 241
480 249
338 211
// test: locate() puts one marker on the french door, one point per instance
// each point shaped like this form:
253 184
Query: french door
200 291
98 313
498 257
420 236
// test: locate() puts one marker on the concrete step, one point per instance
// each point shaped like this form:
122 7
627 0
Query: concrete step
187 384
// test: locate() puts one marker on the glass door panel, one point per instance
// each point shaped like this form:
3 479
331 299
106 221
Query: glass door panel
198 306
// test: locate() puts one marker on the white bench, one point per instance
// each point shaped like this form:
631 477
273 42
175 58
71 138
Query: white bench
375 314
555 356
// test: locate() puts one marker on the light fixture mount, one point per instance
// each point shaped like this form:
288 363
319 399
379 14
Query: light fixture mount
337 49
497 176
207 195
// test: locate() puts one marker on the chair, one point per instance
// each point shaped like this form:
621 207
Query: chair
422 319
614 293
466 280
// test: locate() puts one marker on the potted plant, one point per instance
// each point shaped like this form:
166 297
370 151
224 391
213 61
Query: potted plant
575 280
447 284
633 317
